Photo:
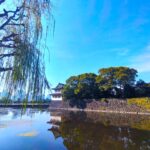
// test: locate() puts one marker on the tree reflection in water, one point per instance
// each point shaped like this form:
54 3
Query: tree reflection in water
94 131
73 130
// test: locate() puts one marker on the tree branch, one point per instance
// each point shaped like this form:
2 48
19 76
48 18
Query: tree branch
5 69
16 24
10 18
8 55
7 45
8 38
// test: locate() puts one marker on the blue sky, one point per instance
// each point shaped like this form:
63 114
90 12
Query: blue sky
92 34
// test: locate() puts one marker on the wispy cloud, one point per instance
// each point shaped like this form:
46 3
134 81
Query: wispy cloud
105 12
121 51
142 61
62 54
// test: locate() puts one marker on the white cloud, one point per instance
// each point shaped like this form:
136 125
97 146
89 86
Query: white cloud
142 61
142 67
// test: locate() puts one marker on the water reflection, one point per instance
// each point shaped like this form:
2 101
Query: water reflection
36 129
27 130
93 131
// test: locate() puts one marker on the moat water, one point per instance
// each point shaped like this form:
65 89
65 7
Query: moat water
40 129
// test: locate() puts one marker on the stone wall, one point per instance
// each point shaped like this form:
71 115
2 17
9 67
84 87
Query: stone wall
106 105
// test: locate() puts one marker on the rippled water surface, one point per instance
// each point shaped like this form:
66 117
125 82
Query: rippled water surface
34 129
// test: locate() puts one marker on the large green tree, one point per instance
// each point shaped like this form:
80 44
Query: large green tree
79 90
142 89
22 30
113 78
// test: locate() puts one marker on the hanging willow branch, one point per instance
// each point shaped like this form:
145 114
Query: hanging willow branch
21 57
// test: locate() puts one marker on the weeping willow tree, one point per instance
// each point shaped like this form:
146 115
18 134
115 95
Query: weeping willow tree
23 28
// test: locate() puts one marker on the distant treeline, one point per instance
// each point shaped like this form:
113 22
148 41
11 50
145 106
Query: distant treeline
113 82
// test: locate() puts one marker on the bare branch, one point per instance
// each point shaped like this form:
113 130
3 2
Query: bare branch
5 69
7 45
5 14
8 55
10 18
16 24
9 37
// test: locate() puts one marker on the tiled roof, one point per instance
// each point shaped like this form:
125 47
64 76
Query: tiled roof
59 86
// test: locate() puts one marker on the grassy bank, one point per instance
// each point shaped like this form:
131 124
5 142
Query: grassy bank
141 102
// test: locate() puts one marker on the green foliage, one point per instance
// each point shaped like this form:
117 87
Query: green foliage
81 89
142 102
103 100
142 89
114 82
114 78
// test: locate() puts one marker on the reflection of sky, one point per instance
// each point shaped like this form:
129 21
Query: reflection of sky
20 95
7 116
32 122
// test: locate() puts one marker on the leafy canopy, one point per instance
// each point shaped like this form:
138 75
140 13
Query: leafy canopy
116 77
81 89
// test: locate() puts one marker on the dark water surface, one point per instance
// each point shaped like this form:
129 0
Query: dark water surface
35 129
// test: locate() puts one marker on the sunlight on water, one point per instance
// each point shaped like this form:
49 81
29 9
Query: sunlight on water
29 134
